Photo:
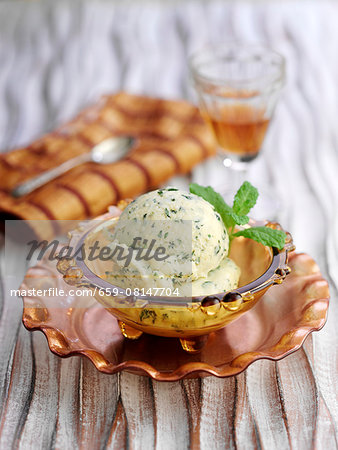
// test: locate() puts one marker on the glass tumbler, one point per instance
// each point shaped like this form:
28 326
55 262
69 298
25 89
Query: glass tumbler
238 86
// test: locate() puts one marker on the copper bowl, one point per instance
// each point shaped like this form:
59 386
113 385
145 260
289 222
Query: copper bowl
189 319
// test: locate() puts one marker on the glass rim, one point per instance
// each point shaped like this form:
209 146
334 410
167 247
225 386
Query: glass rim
216 81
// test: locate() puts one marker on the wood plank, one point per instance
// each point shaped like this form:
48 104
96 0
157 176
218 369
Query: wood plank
67 420
17 368
267 408
193 392
98 401
172 418
246 436
118 438
299 397
39 426
139 408
20 390
217 412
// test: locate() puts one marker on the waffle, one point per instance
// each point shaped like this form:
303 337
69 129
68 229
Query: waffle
171 138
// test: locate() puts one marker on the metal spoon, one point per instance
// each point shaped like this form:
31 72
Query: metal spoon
106 152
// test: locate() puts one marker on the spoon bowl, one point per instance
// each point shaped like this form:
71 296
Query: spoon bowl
106 152
111 149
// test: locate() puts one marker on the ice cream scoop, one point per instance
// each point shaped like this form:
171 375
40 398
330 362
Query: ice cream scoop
187 227
193 239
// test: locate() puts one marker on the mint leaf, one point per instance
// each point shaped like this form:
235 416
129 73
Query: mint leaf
245 198
238 219
264 235
229 217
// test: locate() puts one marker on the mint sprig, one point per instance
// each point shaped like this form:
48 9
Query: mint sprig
245 199
228 214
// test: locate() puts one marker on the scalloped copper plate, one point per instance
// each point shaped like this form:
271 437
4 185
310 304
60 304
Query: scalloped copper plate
274 328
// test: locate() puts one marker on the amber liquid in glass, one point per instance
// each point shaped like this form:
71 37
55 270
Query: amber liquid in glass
239 129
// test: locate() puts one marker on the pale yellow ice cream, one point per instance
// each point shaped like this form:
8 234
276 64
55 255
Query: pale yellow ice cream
193 235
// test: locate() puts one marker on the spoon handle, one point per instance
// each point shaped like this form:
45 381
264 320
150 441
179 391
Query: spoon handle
28 186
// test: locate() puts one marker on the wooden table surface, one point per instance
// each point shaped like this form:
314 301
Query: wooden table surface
55 57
